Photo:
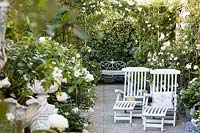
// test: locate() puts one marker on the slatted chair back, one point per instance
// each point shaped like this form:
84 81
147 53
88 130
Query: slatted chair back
165 80
135 81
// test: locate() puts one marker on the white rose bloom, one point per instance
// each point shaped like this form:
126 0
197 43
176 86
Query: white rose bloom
149 25
75 110
10 116
146 22
5 83
89 77
58 121
175 58
195 67
189 66
78 56
62 96
77 73
42 39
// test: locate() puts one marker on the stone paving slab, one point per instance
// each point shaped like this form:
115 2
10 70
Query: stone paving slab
103 115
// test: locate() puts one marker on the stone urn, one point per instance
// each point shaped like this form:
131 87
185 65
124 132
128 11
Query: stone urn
46 109
24 115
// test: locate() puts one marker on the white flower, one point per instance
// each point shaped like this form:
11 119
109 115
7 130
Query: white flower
75 110
126 9
5 83
166 43
130 2
85 131
62 96
189 66
78 56
90 110
57 74
175 58
195 67
149 25
73 60
58 121
162 36
171 55
10 116
139 9
67 113
160 53
183 52
25 77
77 73
120 5
146 22
85 71
42 39
162 48
64 80
89 49
89 77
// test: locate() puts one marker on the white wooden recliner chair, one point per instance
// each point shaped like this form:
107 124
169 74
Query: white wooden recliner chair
132 95
164 99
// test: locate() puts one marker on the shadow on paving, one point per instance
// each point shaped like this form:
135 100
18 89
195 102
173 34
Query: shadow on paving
103 115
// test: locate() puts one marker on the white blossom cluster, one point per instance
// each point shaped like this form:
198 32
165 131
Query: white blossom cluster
62 96
83 73
58 121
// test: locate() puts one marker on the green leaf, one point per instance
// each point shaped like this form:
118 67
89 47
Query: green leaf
81 33
71 89
97 19
20 64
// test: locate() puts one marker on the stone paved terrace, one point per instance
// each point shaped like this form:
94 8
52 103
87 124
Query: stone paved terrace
103 116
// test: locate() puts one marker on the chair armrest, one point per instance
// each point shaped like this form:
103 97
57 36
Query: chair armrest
147 95
119 93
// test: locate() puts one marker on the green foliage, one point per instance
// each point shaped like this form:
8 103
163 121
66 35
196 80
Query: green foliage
191 94
129 31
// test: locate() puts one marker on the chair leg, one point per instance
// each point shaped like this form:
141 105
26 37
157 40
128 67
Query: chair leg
174 121
162 124
144 122
131 115
115 115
